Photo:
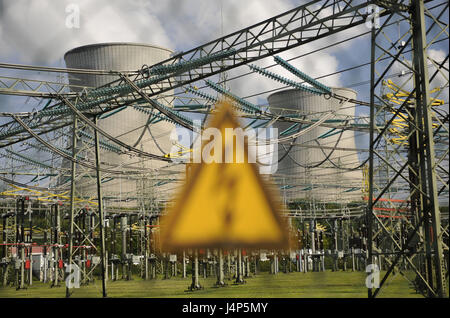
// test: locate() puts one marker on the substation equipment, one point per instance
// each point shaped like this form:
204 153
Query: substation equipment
92 205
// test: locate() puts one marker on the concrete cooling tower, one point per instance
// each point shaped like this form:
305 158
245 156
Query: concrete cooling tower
128 125
308 170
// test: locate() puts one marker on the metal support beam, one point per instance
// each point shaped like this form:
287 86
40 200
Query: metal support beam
72 198
103 263
423 103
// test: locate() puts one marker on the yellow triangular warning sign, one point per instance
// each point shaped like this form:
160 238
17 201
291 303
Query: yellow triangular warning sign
224 204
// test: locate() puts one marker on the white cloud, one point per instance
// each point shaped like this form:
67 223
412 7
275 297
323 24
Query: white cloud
35 32
179 25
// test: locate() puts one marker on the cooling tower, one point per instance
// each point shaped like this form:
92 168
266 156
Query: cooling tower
128 125
312 169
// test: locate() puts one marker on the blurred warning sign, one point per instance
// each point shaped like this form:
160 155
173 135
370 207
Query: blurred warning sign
224 204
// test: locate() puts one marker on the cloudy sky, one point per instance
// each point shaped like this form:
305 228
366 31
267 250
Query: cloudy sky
35 32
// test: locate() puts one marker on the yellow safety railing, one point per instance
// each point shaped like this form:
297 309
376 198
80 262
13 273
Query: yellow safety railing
399 124
43 195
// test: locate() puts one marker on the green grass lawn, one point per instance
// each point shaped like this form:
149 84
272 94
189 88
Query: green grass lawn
292 285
